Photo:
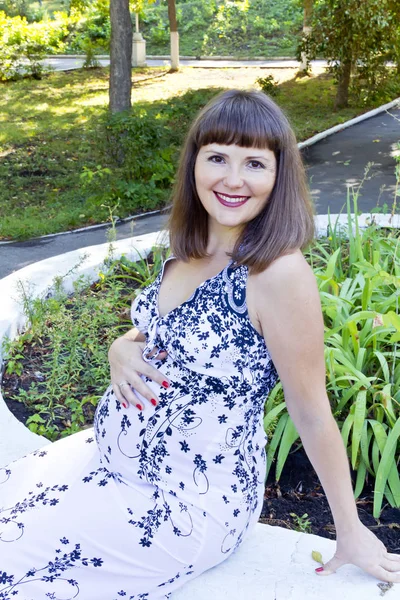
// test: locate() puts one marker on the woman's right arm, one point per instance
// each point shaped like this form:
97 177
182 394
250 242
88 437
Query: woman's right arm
127 366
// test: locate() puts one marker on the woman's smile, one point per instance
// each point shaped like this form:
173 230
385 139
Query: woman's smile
232 201
234 183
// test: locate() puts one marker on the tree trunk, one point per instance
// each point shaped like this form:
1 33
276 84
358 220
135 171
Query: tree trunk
308 8
174 35
120 56
342 93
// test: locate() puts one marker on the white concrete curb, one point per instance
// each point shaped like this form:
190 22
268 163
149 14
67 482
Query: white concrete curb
371 113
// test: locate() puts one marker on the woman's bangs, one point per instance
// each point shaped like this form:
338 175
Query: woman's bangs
244 125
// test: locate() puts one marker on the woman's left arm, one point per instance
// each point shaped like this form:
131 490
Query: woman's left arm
289 311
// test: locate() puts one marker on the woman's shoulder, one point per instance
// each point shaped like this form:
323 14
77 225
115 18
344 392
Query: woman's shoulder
287 270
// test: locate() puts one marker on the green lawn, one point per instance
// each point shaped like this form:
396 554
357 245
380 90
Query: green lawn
50 130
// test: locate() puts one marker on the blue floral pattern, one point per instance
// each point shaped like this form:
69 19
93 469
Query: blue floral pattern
178 485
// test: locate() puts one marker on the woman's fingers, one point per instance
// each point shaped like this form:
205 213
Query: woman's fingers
392 556
391 565
331 566
130 373
128 397
384 575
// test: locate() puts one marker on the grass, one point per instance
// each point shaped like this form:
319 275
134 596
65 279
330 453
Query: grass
49 132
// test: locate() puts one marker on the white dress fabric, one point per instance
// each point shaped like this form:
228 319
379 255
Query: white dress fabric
147 500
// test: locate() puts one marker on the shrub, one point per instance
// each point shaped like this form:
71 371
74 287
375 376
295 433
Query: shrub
268 85
139 152
23 45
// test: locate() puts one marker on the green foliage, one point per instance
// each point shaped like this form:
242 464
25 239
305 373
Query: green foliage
90 29
358 278
23 45
301 524
140 150
268 85
357 35
71 335
229 27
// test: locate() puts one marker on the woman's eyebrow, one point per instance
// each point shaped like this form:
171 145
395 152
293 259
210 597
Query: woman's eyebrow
215 152
258 157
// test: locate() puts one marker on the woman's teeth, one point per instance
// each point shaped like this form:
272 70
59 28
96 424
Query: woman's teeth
232 200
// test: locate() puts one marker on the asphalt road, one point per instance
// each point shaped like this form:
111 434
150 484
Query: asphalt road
60 63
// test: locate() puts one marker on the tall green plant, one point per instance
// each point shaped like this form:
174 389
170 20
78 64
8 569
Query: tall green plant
358 276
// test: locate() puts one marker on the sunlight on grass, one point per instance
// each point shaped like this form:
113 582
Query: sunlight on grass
49 128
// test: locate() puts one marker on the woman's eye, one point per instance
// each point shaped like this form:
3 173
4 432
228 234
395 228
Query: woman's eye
216 159
255 164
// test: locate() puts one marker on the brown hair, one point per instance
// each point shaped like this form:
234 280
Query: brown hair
248 119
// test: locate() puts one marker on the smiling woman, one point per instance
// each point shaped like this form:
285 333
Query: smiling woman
171 479
241 145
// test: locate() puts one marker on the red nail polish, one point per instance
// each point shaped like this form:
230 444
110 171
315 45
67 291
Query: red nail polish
124 404
139 406
319 569
165 384
153 401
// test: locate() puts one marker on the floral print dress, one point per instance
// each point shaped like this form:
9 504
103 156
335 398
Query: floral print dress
149 499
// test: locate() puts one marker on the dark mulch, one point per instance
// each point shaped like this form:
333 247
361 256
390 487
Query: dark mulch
299 491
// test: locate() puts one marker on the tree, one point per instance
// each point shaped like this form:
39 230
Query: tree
357 37
120 56
308 8
174 35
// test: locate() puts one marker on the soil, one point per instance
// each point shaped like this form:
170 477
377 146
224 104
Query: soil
298 491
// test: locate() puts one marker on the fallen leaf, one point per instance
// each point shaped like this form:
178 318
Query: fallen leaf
375 141
317 556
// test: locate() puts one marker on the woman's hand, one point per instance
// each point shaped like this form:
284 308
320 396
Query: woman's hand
362 548
126 367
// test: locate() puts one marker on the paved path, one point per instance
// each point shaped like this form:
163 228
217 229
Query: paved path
333 164
339 162
60 63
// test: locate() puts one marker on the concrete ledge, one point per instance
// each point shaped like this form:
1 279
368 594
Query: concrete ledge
276 564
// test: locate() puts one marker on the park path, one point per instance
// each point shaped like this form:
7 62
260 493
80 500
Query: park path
69 63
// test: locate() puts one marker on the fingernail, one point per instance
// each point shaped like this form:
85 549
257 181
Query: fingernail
139 406
165 384
124 404
319 569
153 401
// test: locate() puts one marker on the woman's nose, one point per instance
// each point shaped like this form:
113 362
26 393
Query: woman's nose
233 179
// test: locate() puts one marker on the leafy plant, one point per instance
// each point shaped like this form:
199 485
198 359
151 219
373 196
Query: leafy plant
358 278
301 524
268 85
24 45
64 351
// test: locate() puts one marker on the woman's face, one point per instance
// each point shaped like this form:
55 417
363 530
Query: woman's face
233 182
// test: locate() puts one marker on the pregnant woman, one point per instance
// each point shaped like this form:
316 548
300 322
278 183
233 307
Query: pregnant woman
171 479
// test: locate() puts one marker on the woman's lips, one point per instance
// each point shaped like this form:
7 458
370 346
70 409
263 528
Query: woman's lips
231 201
